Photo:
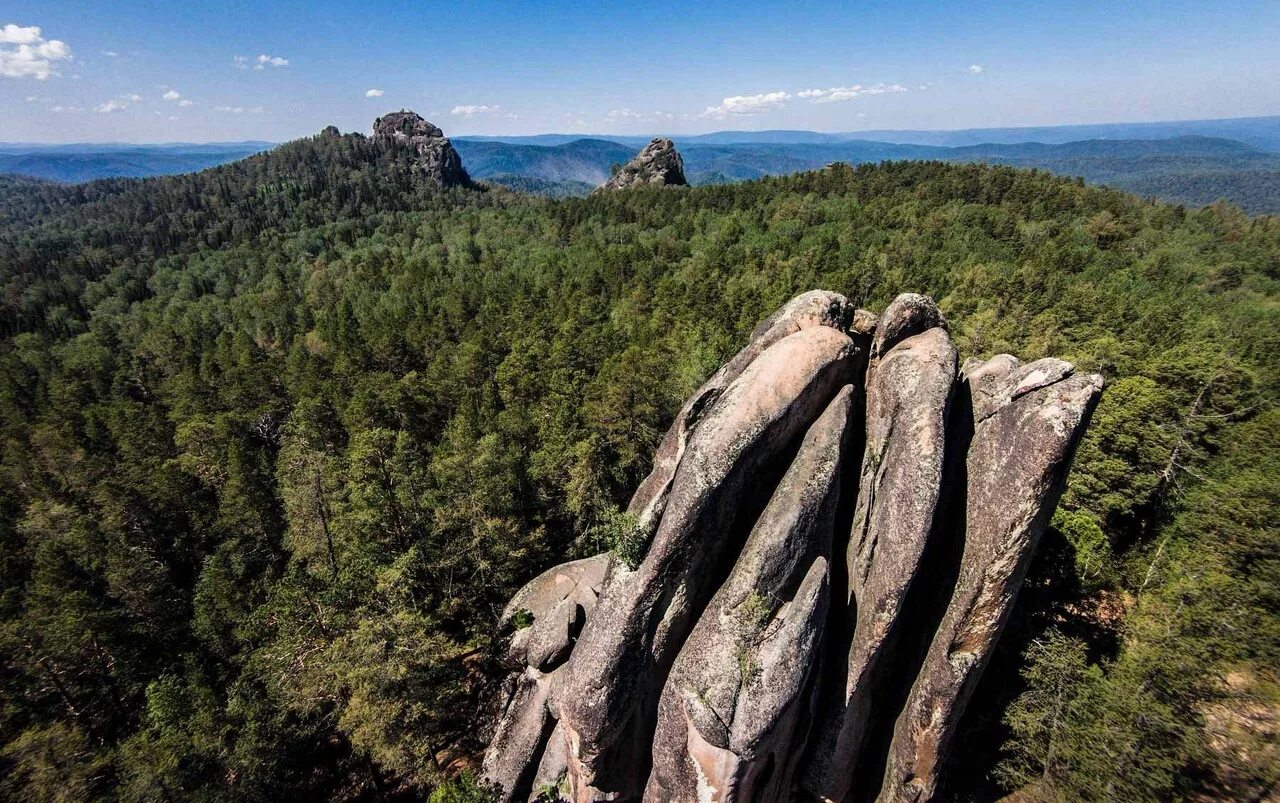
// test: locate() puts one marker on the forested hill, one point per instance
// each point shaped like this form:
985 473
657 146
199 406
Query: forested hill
56 238
280 438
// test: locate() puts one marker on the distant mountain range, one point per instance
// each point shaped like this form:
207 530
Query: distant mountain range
1194 162
88 161
1260 132
1188 169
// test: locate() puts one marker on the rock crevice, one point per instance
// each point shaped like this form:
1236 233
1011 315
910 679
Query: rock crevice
838 526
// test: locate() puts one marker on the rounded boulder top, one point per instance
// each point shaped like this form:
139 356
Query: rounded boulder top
405 124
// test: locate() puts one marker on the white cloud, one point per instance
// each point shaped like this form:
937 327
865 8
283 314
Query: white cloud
184 103
472 110
841 93
110 53
118 103
977 69
630 115
239 109
623 114
24 53
172 94
374 93
17 35
61 109
738 105
260 62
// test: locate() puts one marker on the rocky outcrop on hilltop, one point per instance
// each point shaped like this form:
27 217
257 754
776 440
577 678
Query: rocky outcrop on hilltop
832 500
436 156
659 163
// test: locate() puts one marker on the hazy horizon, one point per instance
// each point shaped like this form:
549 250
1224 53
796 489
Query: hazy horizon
641 134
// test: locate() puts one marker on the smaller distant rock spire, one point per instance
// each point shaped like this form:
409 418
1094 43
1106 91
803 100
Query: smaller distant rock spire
659 163
436 155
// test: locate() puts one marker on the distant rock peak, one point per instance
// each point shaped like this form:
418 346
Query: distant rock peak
437 157
659 163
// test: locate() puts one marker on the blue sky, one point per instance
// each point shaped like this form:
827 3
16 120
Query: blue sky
128 70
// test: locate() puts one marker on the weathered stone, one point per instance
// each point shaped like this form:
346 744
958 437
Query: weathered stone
1027 421
770 635
814 308
909 389
553 767
864 322
521 733
558 601
659 164
608 701
730 712
436 157
908 315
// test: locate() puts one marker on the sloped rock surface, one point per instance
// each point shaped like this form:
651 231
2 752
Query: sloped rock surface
436 156
609 698
1026 423
815 308
659 163
746 656
909 389
737 692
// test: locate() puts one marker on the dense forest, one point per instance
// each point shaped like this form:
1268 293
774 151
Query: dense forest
279 439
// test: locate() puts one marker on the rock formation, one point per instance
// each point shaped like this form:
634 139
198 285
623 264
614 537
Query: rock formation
659 163
436 157
909 384
791 515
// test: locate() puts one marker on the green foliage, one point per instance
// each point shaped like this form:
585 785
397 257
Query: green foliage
619 532
279 440
521 619
466 788
1056 674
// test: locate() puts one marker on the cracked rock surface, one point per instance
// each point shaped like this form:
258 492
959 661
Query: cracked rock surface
793 517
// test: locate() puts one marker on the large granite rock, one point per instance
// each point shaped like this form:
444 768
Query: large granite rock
909 386
608 702
814 308
658 164
436 157
1026 423
791 508
737 694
